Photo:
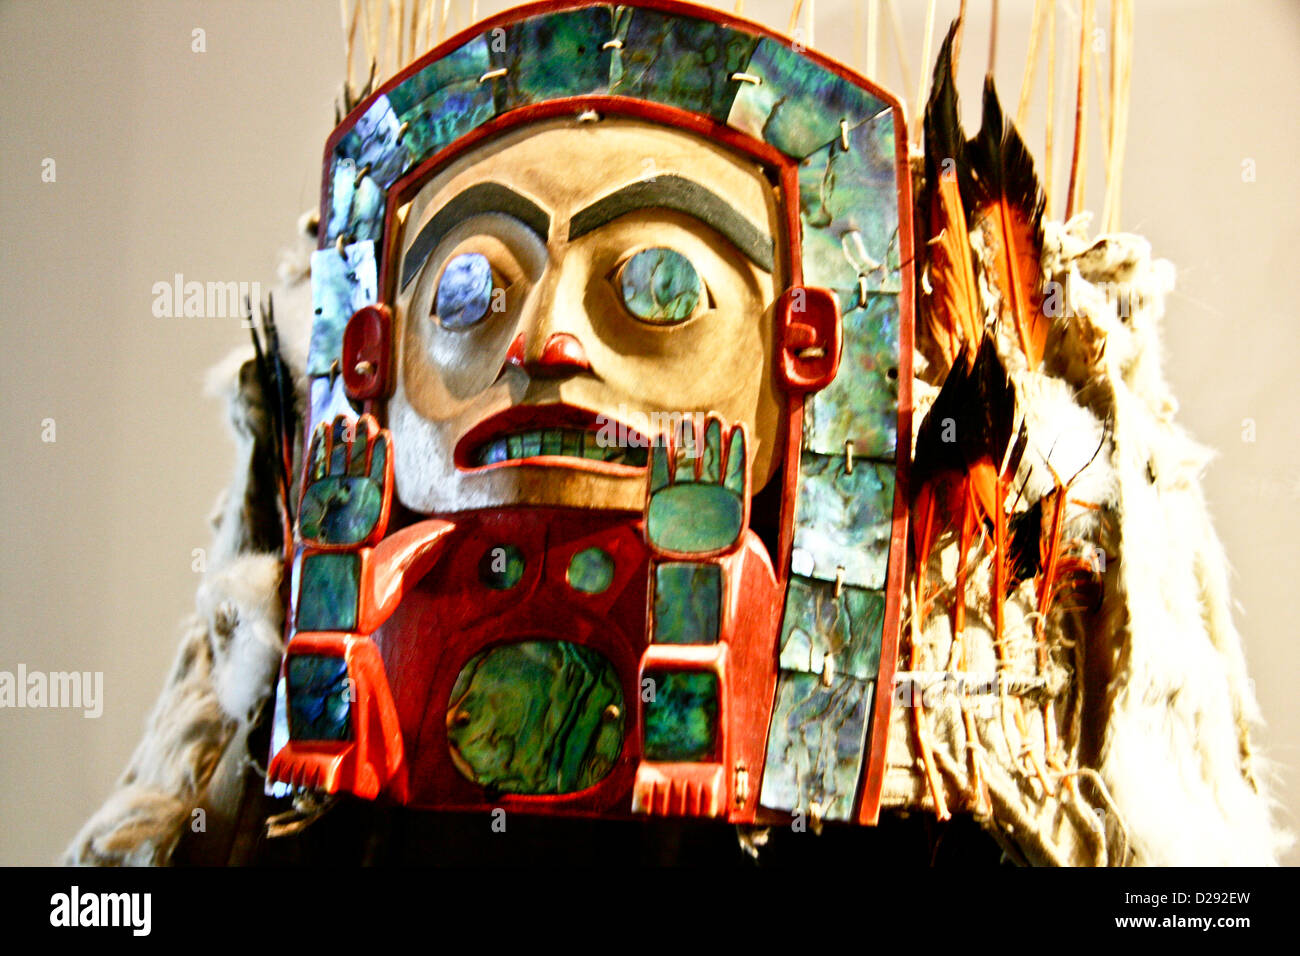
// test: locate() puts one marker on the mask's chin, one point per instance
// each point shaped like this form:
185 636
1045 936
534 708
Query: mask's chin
430 481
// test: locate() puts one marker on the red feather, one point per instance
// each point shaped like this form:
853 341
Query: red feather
1009 208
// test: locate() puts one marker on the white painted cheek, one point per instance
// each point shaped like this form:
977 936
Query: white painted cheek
423 470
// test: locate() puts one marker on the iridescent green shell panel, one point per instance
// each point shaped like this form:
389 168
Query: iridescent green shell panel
848 204
340 510
861 404
843 520
679 61
817 626
681 719
327 592
694 517
536 717
438 105
319 697
816 744
687 602
799 105
553 56
340 284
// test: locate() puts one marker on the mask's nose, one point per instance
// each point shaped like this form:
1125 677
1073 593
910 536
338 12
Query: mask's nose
560 355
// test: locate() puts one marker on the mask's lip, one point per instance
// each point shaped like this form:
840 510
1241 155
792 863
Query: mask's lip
557 415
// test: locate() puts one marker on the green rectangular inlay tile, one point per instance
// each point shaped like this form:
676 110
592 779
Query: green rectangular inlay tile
327 591
687 603
681 721
553 55
679 61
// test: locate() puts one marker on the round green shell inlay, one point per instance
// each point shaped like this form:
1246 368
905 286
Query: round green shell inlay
591 571
536 717
660 286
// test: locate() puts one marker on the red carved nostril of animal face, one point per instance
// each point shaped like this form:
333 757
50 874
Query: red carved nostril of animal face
562 355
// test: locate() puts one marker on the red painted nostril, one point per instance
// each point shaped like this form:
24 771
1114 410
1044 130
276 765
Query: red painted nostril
563 352
562 355
515 356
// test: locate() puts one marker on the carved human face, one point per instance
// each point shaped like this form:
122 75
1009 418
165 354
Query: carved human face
570 286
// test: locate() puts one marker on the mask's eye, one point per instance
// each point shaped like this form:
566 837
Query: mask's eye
660 286
464 291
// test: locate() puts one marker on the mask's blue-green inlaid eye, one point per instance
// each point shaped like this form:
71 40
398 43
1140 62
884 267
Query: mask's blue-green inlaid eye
464 291
660 286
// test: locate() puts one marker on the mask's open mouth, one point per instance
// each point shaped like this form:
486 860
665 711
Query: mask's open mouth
553 436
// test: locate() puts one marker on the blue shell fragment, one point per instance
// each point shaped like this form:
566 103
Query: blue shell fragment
464 291
372 144
356 205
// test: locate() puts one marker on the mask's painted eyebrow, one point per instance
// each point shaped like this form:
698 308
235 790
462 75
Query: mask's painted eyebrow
477 199
686 197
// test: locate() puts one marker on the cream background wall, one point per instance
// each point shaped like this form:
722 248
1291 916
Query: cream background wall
173 161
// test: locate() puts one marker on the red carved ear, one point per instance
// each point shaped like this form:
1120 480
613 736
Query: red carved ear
367 353
808 338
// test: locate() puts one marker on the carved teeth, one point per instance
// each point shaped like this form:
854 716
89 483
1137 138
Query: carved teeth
557 442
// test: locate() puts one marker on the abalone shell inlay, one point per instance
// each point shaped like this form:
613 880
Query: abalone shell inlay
681 719
319 704
818 625
816 744
591 571
327 592
464 291
687 601
843 520
536 717
660 286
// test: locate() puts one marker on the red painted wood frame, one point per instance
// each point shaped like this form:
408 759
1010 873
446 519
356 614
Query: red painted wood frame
786 174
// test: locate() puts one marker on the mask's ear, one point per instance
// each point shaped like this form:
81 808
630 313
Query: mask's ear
367 353
809 337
